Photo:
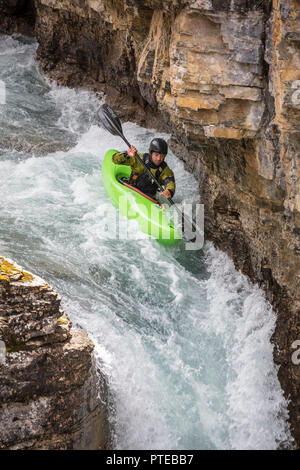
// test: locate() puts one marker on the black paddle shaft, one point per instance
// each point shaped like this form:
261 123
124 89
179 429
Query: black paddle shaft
112 124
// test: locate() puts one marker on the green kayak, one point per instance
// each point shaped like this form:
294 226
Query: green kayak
133 204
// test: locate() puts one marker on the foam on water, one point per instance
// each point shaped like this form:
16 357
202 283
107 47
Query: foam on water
182 337
245 321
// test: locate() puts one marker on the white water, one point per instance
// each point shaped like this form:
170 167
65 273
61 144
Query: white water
182 337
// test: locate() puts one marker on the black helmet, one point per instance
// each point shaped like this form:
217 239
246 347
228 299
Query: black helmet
159 146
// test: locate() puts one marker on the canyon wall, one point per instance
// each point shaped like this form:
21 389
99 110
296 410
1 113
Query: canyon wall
223 76
51 395
17 16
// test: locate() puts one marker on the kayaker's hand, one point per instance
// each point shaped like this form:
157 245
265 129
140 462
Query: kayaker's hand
132 151
166 193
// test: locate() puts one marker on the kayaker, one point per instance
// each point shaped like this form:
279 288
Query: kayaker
155 161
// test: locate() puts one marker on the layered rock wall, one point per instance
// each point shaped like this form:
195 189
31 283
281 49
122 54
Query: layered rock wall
17 16
51 396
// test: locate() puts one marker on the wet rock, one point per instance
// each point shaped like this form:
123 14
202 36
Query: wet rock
51 395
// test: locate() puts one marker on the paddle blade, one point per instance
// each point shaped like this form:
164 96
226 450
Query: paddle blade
109 120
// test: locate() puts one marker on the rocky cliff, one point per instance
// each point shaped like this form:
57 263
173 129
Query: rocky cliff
223 76
51 396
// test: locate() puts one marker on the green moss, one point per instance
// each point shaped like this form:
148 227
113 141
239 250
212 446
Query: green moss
8 272
14 348
63 320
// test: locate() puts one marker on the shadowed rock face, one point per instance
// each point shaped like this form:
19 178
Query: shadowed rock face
49 387
17 16
224 78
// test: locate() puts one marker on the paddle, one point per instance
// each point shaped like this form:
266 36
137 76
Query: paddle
112 124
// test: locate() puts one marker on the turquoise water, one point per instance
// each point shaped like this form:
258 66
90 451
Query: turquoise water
182 337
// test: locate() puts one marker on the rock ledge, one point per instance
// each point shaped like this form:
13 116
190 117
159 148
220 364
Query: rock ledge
51 395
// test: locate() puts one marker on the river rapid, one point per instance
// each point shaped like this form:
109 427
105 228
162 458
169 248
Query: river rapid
181 336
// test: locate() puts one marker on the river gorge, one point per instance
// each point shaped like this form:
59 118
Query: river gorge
195 347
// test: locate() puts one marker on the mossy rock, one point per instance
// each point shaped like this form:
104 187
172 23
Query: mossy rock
9 272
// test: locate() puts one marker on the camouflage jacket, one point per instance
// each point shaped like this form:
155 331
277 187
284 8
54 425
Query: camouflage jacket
165 174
